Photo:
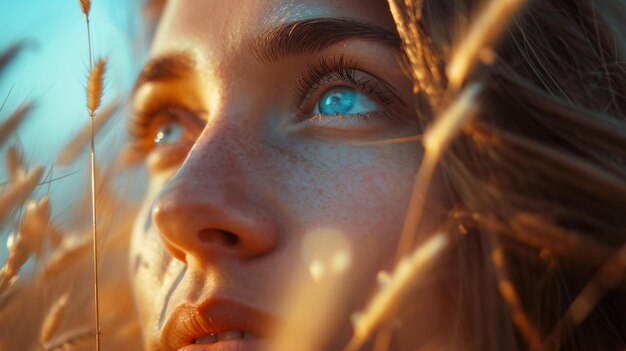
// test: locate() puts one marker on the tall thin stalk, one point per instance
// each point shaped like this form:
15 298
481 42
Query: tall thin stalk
94 94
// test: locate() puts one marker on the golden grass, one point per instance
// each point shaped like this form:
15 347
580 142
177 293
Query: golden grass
29 240
53 320
13 121
436 138
72 247
94 97
9 54
15 163
85 6
395 287
313 306
481 36
94 86
16 193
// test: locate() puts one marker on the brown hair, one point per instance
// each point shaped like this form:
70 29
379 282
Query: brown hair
538 179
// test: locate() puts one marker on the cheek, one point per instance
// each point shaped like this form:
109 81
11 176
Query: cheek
361 192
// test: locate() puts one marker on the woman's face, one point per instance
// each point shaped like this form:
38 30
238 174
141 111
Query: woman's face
261 123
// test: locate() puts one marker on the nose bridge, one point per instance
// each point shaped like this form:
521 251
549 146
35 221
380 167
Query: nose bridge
209 208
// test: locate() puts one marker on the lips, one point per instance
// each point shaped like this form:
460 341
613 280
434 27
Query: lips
217 325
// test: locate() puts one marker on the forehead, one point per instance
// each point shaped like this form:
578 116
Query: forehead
216 29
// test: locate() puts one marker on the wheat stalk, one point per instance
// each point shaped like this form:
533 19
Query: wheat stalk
313 297
85 6
9 54
15 164
18 255
71 247
35 225
94 86
94 97
14 120
395 288
72 341
28 240
482 34
53 320
435 140
18 192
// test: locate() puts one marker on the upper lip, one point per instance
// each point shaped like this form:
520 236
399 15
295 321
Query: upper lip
188 321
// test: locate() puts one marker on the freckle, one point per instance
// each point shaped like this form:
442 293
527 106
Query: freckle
320 191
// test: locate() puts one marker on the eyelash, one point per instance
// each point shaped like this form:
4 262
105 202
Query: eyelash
325 71
337 69
143 122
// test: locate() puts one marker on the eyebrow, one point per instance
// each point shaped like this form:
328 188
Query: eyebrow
290 39
167 67
313 35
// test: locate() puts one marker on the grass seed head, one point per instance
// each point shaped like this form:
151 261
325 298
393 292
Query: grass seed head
35 224
15 163
53 319
9 125
85 6
94 86
18 192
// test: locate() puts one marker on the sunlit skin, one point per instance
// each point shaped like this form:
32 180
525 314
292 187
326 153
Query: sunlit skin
241 168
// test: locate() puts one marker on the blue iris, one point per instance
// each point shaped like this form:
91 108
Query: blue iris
337 101
344 101
168 133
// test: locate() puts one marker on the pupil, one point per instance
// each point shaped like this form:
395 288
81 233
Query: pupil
167 133
337 101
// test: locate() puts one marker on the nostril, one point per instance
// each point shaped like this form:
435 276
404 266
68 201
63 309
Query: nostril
230 237
218 236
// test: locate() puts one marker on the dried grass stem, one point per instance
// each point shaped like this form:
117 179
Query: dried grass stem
94 86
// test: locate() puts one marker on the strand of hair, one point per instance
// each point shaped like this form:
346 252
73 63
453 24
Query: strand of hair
583 175
611 274
607 131
509 294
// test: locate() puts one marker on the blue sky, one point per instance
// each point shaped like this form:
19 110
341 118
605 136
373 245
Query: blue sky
52 72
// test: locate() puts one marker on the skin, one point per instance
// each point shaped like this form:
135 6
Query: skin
243 164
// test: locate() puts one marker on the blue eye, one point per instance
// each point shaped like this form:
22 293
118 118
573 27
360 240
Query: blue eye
168 133
344 101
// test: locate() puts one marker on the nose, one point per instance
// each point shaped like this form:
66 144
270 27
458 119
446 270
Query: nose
210 208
